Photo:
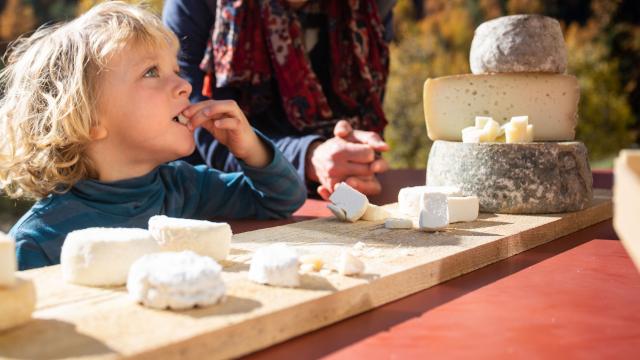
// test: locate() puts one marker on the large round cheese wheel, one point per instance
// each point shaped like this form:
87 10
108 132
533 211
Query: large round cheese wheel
518 43
534 178
17 303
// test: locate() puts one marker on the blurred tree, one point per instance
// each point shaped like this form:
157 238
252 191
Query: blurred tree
154 5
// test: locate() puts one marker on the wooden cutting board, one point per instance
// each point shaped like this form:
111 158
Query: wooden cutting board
75 321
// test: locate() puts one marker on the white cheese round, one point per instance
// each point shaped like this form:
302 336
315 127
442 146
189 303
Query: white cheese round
17 303
518 43
7 260
175 280
102 256
206 238
276 265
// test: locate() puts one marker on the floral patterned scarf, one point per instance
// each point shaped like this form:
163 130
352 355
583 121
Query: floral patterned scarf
255 42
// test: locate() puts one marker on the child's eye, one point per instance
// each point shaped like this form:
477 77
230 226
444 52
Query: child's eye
152 72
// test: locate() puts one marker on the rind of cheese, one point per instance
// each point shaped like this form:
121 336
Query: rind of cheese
351 201
434 211
551 101
518 43
375 213
535 178
8 265
176 280
103 256
276 265
17 303
463 208
203 237
626 201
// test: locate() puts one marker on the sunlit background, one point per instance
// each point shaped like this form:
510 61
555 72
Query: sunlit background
433 38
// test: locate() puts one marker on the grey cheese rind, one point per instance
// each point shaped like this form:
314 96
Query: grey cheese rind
533 178
518 43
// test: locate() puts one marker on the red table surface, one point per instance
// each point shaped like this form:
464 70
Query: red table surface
575 297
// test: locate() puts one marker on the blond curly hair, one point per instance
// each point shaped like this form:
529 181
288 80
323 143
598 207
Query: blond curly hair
49 91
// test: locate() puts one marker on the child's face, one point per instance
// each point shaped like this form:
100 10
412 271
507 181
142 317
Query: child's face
140 94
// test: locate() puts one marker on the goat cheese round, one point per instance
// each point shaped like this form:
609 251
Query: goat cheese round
518 43
17 303
102 256
276 265
175 280
200 236
533 178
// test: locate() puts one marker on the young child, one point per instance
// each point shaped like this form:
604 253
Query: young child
92 111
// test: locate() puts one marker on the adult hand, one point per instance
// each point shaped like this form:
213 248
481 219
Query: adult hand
349 156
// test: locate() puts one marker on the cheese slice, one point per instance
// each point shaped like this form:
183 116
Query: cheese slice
352 202
7 261
451 103
626 201
434 211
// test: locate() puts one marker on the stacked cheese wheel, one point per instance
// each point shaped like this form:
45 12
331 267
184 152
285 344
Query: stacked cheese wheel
518 80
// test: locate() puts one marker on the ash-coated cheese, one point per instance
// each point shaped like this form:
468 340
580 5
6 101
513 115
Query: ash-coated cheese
203 237
518 43
434 211
7 260
451 103
276 265
515 178
352 202
17 303
176 280
626 201
103 256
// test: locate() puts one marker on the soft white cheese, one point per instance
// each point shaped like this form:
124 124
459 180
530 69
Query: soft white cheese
17 303
276 265
463 208
375 213
202 237
396 223
176 280
409 198
434 211
351 201
348 264
103 256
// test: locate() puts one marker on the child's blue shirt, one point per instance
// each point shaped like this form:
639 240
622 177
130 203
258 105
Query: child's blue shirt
176 189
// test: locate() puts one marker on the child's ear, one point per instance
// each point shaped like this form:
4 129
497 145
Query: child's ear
98 132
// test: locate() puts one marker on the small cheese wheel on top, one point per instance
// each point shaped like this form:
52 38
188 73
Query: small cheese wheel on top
203 237
17 303
103 256
7 261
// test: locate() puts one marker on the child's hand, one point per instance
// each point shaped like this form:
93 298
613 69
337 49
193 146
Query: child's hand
227 123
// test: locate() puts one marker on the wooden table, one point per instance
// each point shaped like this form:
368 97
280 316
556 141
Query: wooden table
575 297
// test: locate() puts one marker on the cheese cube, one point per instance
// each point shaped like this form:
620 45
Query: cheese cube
550 101
396 223
626 201
349 264
7 261
490 131
205 238
515 135
463 208
409 198
275 264
434 211
471 135
481 121
530 133
17 303
338 212
519 123
351 201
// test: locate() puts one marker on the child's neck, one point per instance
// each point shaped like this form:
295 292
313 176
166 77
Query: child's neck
115 165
